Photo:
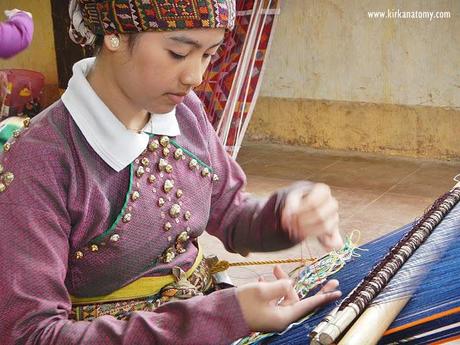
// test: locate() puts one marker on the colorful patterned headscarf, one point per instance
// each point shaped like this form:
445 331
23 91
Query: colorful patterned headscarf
89 18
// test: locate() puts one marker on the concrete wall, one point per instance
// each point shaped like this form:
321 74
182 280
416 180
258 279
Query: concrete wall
40 56
329 52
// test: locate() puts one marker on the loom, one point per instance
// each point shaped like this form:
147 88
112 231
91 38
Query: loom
419 305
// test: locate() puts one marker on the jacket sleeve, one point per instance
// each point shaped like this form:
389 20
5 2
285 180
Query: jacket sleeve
15 34
34 246
242 222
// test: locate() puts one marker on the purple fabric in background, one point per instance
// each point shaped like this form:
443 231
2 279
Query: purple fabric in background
15 34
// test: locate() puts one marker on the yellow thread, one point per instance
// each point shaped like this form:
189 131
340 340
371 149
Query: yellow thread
356 233
224 265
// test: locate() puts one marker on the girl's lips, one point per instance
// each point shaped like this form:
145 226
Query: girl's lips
176 98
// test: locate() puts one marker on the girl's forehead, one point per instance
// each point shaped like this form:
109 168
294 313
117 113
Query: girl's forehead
197 38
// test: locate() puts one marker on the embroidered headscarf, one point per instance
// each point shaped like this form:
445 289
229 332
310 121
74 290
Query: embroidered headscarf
89 18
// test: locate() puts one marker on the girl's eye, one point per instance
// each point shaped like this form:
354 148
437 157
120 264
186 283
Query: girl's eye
208 56
176 56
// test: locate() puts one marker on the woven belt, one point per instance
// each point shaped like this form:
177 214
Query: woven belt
141 288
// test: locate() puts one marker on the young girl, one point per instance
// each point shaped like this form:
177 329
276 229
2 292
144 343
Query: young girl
104 194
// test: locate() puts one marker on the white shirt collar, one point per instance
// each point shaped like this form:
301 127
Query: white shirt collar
115 144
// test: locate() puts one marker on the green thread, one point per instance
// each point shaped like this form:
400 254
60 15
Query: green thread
211 170
99 238
189 153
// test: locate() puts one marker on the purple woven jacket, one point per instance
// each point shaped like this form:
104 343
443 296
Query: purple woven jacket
64 198
15 34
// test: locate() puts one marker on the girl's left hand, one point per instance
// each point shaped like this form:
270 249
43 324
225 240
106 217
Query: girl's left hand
272 306
312 212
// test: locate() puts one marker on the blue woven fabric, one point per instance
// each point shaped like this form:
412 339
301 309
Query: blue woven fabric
438 292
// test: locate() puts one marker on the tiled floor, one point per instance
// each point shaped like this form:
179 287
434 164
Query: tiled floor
376 194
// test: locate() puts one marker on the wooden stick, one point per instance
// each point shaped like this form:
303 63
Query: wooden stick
373 322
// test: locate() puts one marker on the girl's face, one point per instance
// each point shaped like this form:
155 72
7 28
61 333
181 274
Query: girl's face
162 67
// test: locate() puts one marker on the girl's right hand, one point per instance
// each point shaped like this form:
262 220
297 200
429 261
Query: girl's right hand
272 306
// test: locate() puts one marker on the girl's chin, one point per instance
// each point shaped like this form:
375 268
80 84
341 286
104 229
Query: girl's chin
164 109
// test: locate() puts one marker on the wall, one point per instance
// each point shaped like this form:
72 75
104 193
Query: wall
336 78
40 56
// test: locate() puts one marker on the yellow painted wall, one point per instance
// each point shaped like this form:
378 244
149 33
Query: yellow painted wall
331 49
337 79
40 56
411 131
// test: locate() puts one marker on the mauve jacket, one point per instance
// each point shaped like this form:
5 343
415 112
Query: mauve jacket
15 34
65 198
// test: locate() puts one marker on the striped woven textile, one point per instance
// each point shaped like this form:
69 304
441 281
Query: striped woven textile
432 315
232 82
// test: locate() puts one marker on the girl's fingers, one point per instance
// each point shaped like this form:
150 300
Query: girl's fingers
291 296
330 286
314 213
330 242
275 290
320 227
279 273
294 312
290 208
318 196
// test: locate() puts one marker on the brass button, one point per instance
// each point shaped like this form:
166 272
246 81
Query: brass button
205 172
182 237
168 185
127 217
94 248
114 238
193 164
164 141
79 255
162 164
168 255
26 122
178 154
174 211
136 195
7 178
140 171
169 168
145 161
154 145
180 242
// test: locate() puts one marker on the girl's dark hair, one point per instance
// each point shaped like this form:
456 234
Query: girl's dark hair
132 38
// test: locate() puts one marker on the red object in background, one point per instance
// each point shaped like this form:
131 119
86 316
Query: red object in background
22 92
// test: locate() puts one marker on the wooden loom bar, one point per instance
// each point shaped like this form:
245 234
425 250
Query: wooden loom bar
333 326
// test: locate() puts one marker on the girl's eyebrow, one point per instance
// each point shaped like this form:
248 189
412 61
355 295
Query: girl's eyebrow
189 41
